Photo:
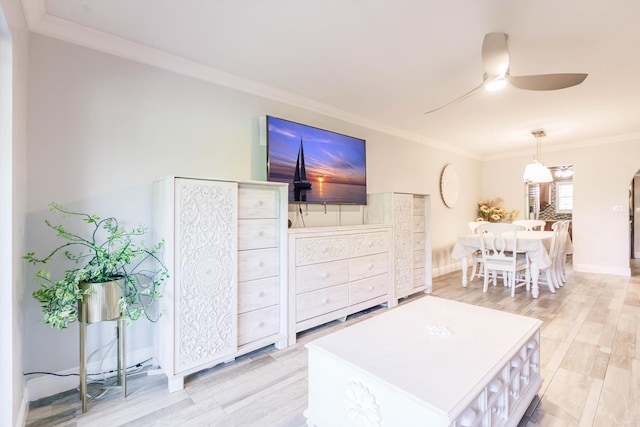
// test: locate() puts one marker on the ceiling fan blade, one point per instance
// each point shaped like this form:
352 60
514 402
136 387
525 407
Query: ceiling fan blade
547 81
458 99
495 54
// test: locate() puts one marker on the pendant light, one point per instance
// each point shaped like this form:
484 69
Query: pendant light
535 171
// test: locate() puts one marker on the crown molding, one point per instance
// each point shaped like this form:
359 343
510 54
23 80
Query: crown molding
40 22
568 146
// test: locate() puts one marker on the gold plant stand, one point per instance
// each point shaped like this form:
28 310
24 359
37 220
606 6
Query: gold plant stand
88 309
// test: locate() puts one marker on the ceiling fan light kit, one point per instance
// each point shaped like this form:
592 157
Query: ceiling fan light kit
495 58
496 84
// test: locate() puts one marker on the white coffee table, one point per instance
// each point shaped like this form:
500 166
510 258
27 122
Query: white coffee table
431 362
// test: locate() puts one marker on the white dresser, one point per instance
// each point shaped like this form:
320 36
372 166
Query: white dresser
336 271
225 246
431 362
410 216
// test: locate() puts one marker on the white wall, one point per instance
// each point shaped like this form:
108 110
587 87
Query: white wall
102 128
602 175
14 39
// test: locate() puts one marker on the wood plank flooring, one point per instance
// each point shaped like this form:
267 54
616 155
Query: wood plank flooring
590 353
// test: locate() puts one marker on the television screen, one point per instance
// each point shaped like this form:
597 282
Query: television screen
320 166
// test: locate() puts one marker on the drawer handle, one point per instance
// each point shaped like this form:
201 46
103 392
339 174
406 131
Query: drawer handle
260 203
496 411
260 324
371 266
324 250
261 264
370 289
325 300
260 294
324 275
260 233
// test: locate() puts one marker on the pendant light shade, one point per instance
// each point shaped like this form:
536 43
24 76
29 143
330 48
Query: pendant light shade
535 171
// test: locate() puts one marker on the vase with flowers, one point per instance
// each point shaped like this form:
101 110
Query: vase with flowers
493 211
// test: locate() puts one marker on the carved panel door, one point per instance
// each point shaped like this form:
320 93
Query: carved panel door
402 234
206 215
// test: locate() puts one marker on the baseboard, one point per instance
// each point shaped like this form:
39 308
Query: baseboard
446 269
24 409
48 385
600 269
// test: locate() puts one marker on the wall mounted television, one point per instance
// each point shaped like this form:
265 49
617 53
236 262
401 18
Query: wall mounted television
320 166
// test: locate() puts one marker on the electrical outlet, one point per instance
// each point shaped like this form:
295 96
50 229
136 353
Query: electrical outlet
617 208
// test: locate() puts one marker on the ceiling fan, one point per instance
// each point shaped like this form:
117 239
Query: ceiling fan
495 57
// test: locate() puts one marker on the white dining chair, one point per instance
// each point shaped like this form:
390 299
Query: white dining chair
549 275
530 224
498 245
561 259
477 269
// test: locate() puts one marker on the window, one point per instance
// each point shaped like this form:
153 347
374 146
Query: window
564 197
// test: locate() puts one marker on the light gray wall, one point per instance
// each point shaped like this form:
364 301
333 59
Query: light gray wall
14 39
102 129
602 175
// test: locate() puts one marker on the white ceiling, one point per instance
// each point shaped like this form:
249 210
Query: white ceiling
383 63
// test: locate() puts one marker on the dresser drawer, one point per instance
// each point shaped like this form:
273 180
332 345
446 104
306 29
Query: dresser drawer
258 233
366 289
318 276
257 264
368 266
419 277
418 241
369 243
256 202
419 259
418 205
316 303
321 249
257 294
258 324
418 223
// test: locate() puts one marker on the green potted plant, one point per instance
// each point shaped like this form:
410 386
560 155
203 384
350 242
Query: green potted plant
108 263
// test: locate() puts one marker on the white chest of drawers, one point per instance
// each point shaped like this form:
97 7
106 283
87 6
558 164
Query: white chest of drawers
225 244
432 362
410 216
336 271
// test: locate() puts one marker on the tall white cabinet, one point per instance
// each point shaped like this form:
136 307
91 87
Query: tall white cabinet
410 216
225 246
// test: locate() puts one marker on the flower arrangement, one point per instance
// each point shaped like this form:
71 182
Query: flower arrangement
493 211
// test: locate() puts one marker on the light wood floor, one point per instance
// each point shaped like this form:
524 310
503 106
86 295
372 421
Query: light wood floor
590 355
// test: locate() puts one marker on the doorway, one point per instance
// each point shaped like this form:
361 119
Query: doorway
634 231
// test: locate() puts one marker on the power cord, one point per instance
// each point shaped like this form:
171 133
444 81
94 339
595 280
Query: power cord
138 367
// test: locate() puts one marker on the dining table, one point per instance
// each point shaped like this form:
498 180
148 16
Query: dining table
535 244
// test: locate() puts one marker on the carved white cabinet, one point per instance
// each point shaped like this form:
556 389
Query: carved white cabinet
225 246
410 216
336 271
